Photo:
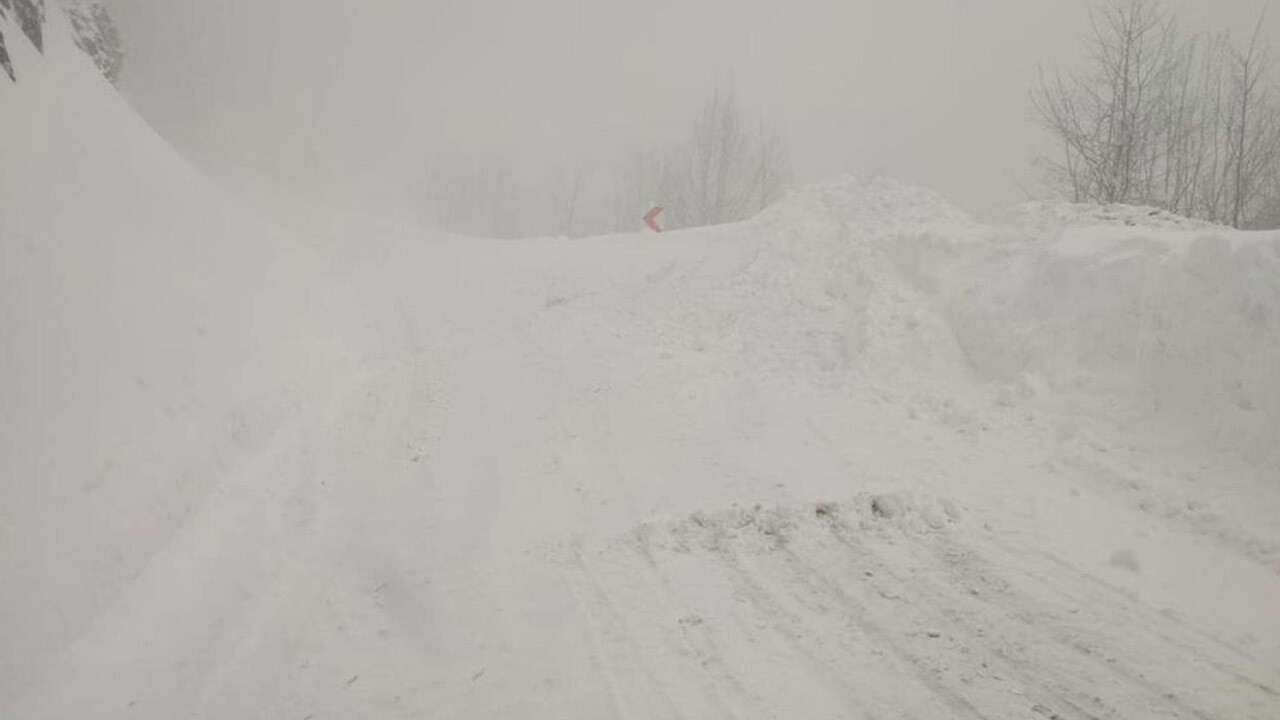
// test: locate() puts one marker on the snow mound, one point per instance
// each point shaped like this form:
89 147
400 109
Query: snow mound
1059 215
870 205
154 335
880 285
834 284
1176 325
1164 322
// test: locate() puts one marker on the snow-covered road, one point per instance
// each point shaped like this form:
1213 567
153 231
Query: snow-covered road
859 457
747 472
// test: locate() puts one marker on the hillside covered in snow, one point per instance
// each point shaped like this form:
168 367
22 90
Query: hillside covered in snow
858 457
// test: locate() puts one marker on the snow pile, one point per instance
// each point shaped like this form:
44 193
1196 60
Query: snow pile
822 293
1163 320
1170 325
1050 216
875 206
153 337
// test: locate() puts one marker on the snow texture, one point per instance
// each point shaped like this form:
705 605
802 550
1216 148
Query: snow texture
859 457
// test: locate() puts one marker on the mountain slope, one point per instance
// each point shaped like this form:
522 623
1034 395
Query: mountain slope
152 336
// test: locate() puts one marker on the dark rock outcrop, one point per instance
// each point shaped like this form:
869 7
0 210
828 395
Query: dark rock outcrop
29 16
5 63
91 25
95 33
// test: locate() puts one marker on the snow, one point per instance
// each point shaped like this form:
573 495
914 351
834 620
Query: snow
858 457
1050 215
153 335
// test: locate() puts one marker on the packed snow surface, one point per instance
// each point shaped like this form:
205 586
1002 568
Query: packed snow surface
860 457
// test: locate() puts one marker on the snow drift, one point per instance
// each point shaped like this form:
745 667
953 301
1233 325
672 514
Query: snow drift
859 456
1178 325
153 335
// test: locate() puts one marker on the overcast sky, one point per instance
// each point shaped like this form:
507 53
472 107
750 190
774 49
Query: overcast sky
355 96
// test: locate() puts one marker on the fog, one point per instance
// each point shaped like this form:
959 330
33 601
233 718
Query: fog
351 102
340 378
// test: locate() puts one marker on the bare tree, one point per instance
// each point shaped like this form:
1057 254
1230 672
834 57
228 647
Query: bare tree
731 167
733 170
770 173
566 189
1189 126
1269 214
472 194
1254 128
1183 145
1210 166
1110 121
716 171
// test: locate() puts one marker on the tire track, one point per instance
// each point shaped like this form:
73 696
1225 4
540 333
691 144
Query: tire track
1044 625
607 626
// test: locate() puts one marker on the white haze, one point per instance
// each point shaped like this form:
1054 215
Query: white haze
859 456
351 101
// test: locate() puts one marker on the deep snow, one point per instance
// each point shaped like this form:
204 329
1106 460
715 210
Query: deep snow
858 457
153 336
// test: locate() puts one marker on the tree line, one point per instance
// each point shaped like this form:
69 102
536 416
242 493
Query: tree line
1190 124
730 165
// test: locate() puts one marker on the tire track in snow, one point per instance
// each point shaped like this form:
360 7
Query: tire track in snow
818 583
731 692
829 601
803 639
805 621
1196 645
614 646
1153 617
1035 621
975 635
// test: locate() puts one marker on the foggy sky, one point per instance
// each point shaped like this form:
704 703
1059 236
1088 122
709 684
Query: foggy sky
351 98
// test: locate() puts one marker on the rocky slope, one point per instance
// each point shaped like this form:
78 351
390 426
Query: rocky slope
27 16
95 33
92 28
